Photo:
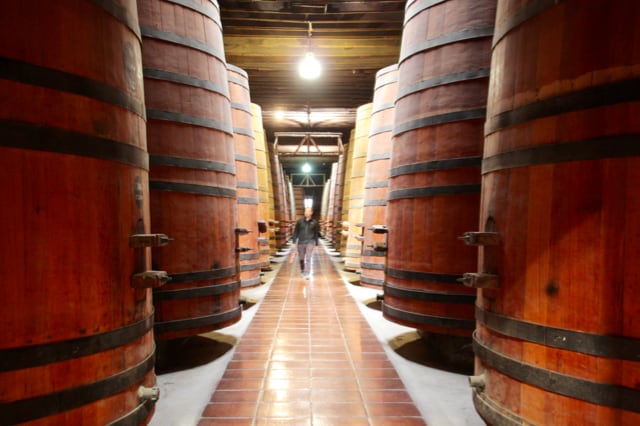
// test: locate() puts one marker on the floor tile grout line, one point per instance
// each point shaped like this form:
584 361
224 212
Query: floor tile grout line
346 346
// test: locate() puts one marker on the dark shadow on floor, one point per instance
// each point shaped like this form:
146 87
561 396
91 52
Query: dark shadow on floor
455 356
374 304
193 351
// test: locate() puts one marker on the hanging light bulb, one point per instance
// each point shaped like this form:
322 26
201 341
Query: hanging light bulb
309 67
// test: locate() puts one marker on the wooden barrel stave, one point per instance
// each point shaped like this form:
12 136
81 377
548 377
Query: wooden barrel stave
559 168
435 168
193 188
74 328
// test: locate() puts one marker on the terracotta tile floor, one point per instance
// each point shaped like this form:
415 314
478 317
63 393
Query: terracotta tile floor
309 357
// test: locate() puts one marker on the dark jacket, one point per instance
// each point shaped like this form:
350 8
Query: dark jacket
306 232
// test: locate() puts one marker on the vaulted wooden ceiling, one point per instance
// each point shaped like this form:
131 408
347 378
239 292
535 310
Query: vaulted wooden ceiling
352 40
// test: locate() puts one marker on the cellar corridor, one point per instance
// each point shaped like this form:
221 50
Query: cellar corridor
310 357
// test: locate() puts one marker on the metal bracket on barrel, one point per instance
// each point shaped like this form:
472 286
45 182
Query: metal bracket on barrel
480 238
238 232
480 279
149 279
381 246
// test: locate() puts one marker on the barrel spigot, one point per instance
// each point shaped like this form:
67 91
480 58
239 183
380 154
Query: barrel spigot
479 280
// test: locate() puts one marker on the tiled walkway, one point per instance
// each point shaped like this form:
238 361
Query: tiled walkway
309 357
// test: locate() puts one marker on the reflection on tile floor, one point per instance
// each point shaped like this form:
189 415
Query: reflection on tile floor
309 357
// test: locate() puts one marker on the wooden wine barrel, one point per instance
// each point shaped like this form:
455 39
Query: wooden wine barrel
343 224
338 200
192 175
353 250
298 197
280 189
263 183
324 206
274 225
434 191
376 185
558 342
246 176
76 339
330 209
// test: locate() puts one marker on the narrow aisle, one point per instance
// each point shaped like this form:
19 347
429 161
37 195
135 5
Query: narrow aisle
310 358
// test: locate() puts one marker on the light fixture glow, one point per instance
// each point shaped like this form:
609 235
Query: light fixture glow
309 67
279 115
308 203
306 168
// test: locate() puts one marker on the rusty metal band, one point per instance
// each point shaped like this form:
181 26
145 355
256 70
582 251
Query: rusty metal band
591 149
378 108
434 165
374 253
177 39
625 348
423 276
48 139
178 117
185 80
243 132
188 188
247 159
429 296
446 39
195 292
617 92
251 282
379 184
191 163
377 157
458 77
213 14
204 321
421 5
372 281
250 266
249 256
247 185
522 15
385 76
57 402
435 120
609 395
35 75
240 71
48 353
244 84
373 266
428 320
492 413
214 274
380 130
136 416
375 203
122 14
247 200
433 191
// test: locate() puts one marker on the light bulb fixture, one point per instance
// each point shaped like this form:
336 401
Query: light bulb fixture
309 68
306 168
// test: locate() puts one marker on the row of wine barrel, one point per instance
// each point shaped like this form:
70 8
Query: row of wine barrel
499 208
130 156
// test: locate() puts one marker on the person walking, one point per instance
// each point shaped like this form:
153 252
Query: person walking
305 238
